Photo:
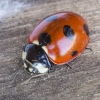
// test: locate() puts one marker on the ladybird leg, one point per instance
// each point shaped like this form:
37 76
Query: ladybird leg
68 66
89 49
52 68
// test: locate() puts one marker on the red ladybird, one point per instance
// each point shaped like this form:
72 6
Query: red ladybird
58 39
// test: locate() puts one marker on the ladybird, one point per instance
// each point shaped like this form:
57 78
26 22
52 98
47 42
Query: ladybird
58 39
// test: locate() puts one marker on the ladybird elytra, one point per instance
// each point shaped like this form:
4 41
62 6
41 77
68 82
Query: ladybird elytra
58 39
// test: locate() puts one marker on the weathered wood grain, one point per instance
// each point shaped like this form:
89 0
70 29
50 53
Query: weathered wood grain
82 82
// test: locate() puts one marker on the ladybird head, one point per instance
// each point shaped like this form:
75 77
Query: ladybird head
35 59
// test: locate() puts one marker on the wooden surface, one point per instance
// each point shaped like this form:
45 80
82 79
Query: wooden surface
82 82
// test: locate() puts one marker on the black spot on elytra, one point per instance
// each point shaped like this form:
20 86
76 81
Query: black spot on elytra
68 32
51 18
44 39
74 53
86 29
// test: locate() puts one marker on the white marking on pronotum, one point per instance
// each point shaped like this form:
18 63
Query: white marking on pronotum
36 42
45 49
30 69
24 55
25 66
41 68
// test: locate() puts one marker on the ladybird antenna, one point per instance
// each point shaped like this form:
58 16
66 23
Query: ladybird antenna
28 62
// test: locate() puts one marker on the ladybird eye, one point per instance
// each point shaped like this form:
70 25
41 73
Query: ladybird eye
86 29
68 31
44 39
